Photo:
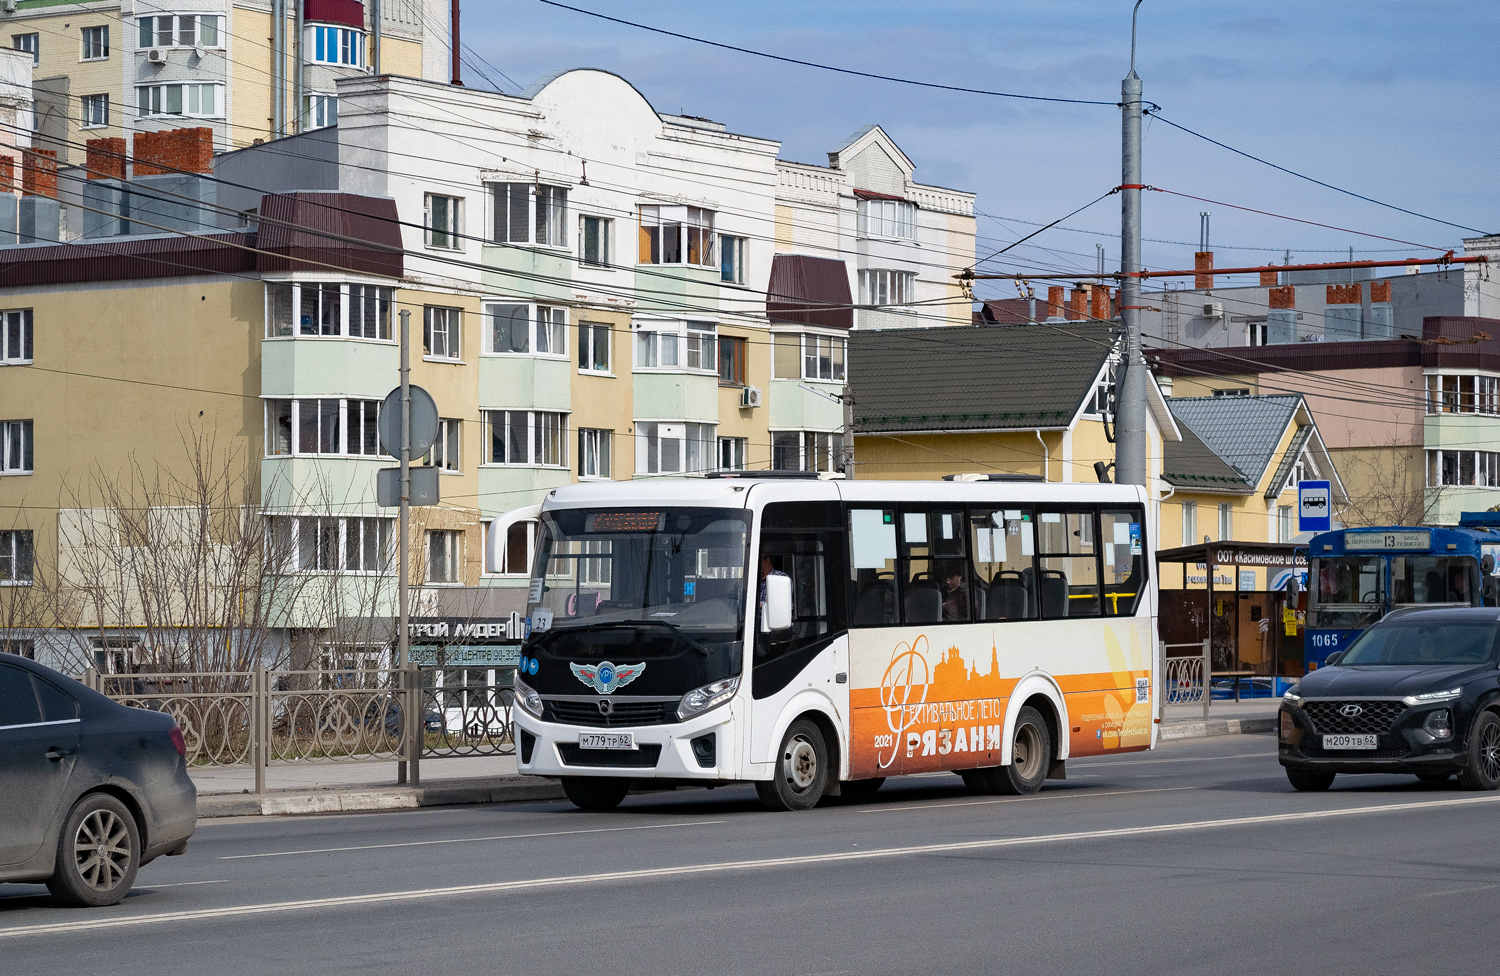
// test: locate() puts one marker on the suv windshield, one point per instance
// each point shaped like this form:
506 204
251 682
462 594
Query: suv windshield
681 567
1424 642
1347 591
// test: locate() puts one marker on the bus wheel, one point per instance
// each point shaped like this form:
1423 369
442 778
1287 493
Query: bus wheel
595 792
1030 757
801 770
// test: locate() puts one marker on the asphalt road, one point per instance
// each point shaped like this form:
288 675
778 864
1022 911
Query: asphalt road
1197 858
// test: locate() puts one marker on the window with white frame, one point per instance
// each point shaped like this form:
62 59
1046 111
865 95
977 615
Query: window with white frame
673 448
886 287
15 336
180 30
315 308
1101 403
806 450
444 555
593 241
198 100
15 557
323 425
15 447
29 43
887 218
338 45
526 329
444 453
330 544
528 213
808 356
442 218
676 345
732 259
319 110
551 331
732 451
702 346
677 235
594 347
95 42
593 452
517 551
1286 523
1226 522
1450 393
1477 469
93 111
1189 523
440 332
526 437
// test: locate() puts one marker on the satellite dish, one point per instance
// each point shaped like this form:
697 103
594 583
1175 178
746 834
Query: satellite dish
424 422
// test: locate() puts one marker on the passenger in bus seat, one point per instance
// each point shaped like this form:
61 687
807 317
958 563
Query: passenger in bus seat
955 591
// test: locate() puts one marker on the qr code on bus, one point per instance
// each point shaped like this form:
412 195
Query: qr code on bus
1142 689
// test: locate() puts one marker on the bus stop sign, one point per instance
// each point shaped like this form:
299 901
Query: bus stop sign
1314 506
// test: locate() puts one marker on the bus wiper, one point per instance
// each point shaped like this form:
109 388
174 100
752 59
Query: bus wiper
674 628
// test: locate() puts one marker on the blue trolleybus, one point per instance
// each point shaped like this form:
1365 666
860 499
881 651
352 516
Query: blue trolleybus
1360 575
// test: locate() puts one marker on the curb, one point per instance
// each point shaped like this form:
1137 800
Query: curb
510 789
1223 726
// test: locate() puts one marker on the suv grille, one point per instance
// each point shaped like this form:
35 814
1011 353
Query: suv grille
1376 716
643 758
626 712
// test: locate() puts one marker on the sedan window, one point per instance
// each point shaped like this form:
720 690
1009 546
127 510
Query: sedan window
56 705
1424 643
18 705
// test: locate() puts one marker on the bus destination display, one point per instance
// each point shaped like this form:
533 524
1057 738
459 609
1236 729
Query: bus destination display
623 522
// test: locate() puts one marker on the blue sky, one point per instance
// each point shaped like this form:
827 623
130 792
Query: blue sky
1389 99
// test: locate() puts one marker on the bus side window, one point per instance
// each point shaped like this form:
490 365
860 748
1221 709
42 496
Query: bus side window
1069 578
872 567
1122 537
804 540
1003 543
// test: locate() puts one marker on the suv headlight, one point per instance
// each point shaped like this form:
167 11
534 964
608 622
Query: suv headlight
528 699
1291 697
1433 696
711 695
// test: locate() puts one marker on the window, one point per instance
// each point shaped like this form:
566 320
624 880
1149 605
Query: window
677 235
322 426
1068 565
1255 334
1226 522
551 331
593 452
1102 402
808 356
594 241
444 548
732 259
593 347
886 287
313 543
1479 469
731 361
1463 394
702 342
887 218
95 43
529 213
1236 391
338 45
28 42
15 556
15 336
732 452
1122 538
440 332
1189 523
179 30
201 101
528 437
445 453
516 554
1286 524
542 329
806 450
93 111
1003 542
15 447
319 110
442 221
673 448
319 309
656 350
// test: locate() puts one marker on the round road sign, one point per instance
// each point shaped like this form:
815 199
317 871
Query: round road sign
424 422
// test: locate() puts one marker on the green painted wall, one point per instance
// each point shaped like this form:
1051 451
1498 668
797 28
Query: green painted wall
528 382
793 408
676 396
329 367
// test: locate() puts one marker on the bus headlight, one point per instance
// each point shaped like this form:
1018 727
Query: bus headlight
712 695
528 699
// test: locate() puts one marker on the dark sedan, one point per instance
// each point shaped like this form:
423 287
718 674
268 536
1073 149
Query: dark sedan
1418 692
89 790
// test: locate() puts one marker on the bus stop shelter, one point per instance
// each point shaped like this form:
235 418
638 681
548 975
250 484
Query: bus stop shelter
1234 595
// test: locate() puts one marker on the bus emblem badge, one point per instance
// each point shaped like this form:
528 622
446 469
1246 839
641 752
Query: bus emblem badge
606 677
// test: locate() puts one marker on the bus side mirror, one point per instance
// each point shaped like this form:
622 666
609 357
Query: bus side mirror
776 612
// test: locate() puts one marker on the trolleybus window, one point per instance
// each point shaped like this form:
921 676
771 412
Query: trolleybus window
1434 579
1348 591
1069 576
1003 542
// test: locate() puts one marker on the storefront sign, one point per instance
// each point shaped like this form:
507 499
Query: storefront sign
467 630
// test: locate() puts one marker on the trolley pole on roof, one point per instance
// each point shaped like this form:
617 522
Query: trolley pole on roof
1130 410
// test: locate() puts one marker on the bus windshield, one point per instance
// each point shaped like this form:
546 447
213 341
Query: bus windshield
683 568
1348 591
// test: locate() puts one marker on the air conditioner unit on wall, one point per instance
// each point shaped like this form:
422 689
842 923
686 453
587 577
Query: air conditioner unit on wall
750 396
157 55
1213 310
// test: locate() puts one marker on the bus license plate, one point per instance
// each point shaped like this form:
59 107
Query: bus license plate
609 740
1349 741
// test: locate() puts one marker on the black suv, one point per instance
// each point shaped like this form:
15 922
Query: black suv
1419 692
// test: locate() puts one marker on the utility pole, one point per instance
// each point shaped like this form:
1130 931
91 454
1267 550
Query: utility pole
1130 422
414 723
375 35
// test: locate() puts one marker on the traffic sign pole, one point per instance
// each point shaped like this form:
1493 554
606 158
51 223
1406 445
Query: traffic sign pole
414 722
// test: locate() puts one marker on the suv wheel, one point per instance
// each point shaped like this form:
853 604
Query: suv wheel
1482 771
98 853
1309 781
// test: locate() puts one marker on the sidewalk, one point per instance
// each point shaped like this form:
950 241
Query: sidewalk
229 791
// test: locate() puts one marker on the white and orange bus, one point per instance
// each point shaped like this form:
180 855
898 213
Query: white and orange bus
815 637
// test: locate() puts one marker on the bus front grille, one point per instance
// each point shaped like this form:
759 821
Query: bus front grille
623 712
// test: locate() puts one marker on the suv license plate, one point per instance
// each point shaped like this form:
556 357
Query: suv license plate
607 740
1349 741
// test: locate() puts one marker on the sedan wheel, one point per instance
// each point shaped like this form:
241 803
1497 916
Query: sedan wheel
1483 769
98 853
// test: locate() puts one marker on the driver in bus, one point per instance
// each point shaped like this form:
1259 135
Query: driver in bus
1458 584
767 568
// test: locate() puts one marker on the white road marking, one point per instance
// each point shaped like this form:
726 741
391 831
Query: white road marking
1457 891
467 840
75 924
1059 795
182 884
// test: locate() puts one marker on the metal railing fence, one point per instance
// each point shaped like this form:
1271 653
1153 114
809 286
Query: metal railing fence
1187 678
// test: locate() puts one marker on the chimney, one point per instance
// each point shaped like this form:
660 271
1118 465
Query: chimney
1284 297
1203 261
1268 279
1101 309
1281 320
1380 291
106 159
1078 304
174 151
1054 302
7 174
1344 294
39 173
